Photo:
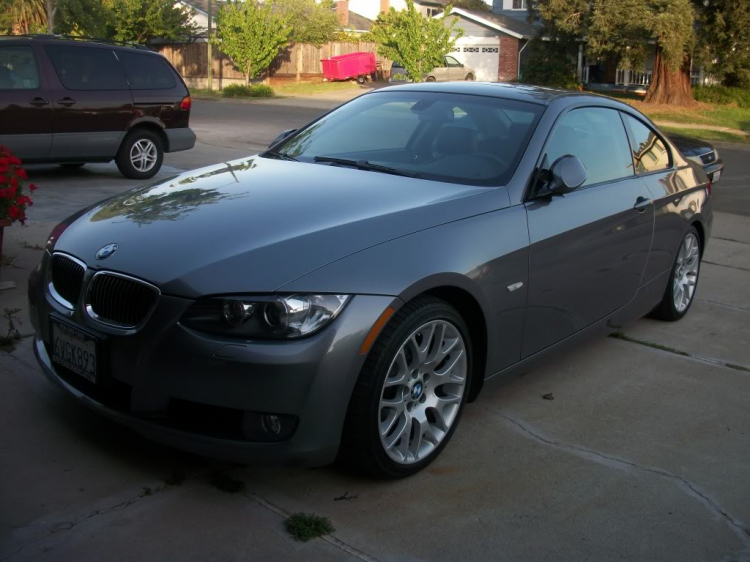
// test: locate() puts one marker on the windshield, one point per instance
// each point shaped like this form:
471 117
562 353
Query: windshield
455 138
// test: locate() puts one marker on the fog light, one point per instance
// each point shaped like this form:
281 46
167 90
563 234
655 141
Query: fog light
267 428
271 424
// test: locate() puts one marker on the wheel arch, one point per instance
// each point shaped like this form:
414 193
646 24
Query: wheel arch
468 304
698 225
149 125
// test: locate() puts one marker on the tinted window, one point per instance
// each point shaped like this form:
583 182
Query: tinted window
597 137
444 137
649 151
146 72
18 69
81 68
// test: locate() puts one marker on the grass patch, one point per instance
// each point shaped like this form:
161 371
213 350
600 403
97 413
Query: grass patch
227 484
312 88
706 135
306 526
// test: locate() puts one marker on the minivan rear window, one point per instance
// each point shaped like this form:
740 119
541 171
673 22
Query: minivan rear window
87 68
146 72
18 69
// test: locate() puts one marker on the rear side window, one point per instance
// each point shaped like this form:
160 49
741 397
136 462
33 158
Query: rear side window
597 137
146 72
82 68
650 154
18 69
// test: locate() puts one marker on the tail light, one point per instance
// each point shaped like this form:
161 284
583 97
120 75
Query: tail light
709 188
186 103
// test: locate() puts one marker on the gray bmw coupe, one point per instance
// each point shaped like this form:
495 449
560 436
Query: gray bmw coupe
348 291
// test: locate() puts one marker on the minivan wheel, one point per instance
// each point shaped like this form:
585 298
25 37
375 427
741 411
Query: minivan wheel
411 392
683 280
141 155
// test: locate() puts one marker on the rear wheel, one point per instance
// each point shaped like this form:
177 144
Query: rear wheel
141 155
469 77
361 79
683 280
430 79
411 392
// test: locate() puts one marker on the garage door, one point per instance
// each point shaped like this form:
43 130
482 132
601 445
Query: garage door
481 54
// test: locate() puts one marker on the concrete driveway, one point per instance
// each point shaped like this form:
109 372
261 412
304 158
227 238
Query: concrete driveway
644 453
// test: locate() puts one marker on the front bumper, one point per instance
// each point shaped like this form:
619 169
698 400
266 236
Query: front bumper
195 391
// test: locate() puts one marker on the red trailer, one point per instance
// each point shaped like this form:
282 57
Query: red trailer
352 65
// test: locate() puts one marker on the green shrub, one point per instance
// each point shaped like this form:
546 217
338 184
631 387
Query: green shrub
722 95
251 91
306 526
546 64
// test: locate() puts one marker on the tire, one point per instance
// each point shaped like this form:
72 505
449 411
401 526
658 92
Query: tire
430 79
469 77
684 272
73 165
372 423
361 79
141 140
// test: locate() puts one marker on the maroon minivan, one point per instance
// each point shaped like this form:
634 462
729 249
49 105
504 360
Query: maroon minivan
70 101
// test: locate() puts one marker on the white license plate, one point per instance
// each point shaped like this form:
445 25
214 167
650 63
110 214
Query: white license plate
74 350
717 175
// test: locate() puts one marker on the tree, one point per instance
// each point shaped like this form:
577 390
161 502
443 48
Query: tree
143 20
251 35
624 30
724 40
310 22
22 16
417 42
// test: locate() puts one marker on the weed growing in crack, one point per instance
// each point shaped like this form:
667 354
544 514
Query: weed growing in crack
306 526
9 340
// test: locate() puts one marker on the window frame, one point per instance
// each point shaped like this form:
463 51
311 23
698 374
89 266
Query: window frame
524 5
448 65
36 64
90 48
631 141
531 190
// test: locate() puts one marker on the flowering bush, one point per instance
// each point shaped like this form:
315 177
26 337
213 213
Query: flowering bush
13 201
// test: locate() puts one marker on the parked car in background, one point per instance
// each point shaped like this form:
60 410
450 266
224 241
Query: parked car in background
702 153
71 101
347 292
452 70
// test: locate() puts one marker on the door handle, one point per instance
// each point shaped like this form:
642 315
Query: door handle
39 102
67 102
641 204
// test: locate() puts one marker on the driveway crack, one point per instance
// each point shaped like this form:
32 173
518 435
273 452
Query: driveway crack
739 528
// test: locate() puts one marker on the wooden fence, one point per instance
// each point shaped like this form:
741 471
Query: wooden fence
191 61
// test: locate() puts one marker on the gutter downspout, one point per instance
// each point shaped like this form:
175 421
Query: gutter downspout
518 68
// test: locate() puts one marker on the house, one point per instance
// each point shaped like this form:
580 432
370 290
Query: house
200 13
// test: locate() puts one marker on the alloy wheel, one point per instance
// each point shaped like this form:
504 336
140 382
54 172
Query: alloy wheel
143 155
421 395
686 272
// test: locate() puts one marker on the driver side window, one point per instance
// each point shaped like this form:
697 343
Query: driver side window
597 137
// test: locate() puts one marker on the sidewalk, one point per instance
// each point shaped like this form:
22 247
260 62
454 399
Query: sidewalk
702 127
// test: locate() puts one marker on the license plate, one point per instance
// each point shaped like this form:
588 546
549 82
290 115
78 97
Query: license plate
74 350
717 175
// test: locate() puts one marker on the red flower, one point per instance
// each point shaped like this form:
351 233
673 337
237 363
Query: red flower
3 179
5 193
24 200
15 161
13 182
32 187
14 212
21 173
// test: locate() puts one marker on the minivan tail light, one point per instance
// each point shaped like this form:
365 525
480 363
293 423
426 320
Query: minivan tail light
709 188
186 103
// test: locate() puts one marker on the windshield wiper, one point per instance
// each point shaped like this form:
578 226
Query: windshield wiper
365 165
278 155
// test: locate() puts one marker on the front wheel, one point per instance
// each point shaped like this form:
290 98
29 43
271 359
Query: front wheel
141 155
683 280
469 77
411 392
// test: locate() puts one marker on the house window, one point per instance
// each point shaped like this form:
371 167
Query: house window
432 12
519 5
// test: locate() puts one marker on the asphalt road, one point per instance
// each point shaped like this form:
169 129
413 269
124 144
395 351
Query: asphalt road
644 453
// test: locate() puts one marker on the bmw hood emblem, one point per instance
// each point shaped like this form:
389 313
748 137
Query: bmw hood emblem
106 251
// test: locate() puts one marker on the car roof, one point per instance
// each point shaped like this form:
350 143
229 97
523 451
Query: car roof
518 92
75 40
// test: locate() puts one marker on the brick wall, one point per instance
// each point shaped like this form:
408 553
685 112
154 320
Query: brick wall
342 12
508 65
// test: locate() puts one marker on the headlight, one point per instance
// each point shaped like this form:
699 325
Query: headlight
274 317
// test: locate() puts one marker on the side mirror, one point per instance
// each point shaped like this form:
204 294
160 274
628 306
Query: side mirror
281 137
567 174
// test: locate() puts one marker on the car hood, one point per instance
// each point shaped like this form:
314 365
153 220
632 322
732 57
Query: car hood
255 224
691 147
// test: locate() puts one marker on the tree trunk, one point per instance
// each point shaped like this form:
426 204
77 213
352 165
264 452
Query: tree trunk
670 86
299 62
51 11
247 76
